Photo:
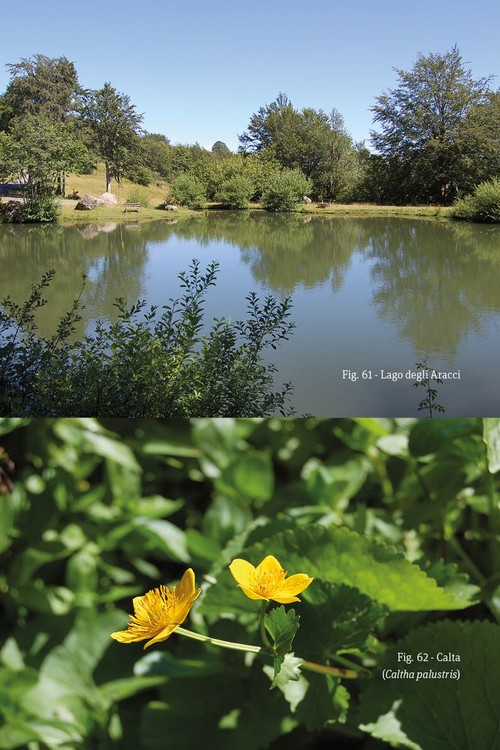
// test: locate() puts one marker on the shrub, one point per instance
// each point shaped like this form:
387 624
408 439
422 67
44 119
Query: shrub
285 190
147 363
136 195
236 191
40 209
482 205
189 191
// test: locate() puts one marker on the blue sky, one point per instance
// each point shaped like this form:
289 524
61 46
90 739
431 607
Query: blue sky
197 70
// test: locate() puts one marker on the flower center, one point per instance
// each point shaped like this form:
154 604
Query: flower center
267 583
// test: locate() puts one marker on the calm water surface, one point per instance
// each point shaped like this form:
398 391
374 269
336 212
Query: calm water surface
374 295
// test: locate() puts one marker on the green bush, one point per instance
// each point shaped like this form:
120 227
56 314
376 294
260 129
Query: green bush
141 175
147 363
189 191
41 209
136 195
483 205
285 190
236 192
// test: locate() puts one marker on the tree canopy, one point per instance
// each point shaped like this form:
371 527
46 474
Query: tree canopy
39 84
310 140
115 125
434 128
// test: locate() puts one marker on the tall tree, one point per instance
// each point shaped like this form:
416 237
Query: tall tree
39 85
39 150
309 140
115 126
424 120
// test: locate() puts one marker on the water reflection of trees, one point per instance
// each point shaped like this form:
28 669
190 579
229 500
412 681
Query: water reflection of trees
113 259
434 282
285 252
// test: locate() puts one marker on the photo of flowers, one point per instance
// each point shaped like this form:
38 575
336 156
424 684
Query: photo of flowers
249 583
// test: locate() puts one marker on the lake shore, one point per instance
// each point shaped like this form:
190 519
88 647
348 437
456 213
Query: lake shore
354 210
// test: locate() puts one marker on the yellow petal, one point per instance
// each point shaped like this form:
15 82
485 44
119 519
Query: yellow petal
163 634
185 587
243 573
252 594
270 565
293 586
125 636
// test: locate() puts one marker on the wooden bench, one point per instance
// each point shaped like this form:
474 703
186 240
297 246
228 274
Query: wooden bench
131 206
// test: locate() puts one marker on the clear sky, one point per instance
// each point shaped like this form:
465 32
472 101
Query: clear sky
198 69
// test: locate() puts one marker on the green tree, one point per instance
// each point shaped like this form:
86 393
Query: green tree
40 84
156 154
285 190
189 191
425 143
39 150
221 149
236 191
115 126
309 140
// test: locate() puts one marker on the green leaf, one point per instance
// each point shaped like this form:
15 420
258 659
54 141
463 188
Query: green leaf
89 437
282 625
157 506
449 578
289 670
234 709
340 556
249 475
334 619
6 521
338 480
491 436
326 701
164 536
429 436
442 705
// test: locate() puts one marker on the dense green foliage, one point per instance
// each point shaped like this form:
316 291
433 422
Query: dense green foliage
396 521
482 205
189 191
308 140
149 362
440 132
235 192
285 190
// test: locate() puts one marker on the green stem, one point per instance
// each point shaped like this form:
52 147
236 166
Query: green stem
348 674
218 642
262 626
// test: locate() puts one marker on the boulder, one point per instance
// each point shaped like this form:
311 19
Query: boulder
107 199
170 207
306 199
86 203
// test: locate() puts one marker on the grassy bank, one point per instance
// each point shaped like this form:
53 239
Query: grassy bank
155 195
103 214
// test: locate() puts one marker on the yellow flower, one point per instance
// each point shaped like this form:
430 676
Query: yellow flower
159 612
268 581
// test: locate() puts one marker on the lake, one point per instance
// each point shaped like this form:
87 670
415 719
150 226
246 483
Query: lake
371 297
